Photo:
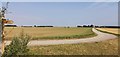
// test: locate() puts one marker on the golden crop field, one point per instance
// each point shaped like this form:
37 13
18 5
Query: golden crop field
111 30
50 33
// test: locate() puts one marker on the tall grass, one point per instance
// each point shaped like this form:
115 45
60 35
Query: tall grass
109 47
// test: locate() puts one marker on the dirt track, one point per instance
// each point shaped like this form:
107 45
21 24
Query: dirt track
100 37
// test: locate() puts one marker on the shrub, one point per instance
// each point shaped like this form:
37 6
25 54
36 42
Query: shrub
18 46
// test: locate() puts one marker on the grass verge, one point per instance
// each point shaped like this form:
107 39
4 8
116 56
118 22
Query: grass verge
109 47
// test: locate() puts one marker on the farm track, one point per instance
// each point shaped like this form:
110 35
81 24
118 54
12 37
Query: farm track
100 37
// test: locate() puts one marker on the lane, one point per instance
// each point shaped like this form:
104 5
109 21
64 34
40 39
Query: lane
100 37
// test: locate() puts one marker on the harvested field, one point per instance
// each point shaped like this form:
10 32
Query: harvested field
51 33
110 30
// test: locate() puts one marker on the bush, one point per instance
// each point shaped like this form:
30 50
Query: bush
18 46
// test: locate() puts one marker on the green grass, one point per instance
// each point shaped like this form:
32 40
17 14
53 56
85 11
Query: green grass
52 33
109 47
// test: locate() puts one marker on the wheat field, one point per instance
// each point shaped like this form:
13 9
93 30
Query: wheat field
111 30
50 32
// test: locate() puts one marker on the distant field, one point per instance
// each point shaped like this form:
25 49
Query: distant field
110 30
51 33
109 47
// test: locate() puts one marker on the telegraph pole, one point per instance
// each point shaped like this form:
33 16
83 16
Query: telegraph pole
0 27
4 21
3 38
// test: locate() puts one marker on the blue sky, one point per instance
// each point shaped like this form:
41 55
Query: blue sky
63 13
60 0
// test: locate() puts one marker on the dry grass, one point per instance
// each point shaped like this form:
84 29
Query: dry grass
51 33
109 47
111 30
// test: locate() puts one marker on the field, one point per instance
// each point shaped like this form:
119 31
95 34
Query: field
109 47
115 31
50 33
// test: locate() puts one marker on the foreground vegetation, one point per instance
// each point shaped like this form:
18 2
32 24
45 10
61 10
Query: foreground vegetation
109 47
18 46
51 33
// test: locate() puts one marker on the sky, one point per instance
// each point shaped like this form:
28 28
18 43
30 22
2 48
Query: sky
60 0
63 13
